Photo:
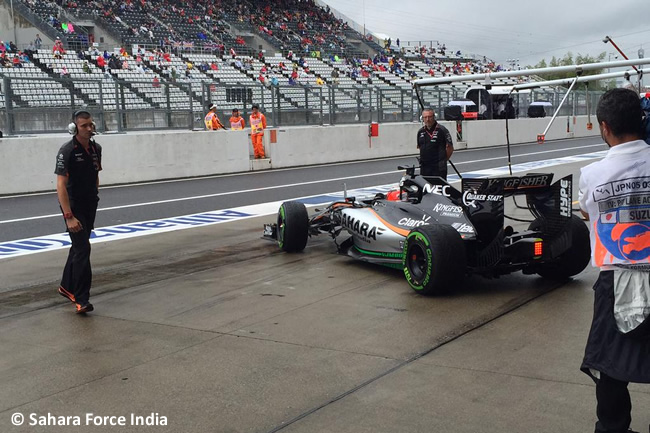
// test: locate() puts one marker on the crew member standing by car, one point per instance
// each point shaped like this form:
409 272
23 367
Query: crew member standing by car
258 125
613 196
237 122
435 144
212 122
78 164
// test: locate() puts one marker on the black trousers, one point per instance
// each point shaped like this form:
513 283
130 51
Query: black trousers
432 170
77 273
614 405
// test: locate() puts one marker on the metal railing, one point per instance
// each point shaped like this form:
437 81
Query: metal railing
119 106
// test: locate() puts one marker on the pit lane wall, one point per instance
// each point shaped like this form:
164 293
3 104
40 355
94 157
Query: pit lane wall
27 163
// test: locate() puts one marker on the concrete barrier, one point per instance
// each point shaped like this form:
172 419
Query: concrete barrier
27 163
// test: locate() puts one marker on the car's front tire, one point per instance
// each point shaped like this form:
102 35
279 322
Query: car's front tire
434 259
293 226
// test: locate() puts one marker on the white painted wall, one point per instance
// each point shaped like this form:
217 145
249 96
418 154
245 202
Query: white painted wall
27 163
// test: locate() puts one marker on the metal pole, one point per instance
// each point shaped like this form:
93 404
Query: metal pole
13 20
558 108
608 39
102 112
8 105
535 71
191 108
118 106
321 106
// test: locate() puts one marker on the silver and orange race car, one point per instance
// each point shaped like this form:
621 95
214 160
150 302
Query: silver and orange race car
437 234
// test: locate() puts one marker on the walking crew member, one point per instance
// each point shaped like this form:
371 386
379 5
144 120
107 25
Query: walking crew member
613 195
258 125
237 122
77 168
212 122
435 144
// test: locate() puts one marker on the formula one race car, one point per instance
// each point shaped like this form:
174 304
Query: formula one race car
438 234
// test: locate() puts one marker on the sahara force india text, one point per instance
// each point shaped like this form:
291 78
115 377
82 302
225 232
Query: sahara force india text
90 419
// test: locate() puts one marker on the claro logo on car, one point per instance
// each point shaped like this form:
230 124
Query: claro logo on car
363 229
410 222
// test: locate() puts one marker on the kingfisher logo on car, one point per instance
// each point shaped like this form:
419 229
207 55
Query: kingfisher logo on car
448 210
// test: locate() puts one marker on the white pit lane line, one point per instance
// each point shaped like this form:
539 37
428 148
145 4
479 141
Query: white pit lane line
244 191
124 231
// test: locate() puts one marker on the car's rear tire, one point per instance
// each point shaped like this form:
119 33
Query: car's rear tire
293 226
572 261
434 259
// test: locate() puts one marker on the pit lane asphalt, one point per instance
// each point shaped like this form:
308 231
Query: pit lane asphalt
37 214
218 331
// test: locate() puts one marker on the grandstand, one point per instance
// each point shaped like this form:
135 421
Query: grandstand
294 58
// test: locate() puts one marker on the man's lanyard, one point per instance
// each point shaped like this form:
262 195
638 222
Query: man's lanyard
432 133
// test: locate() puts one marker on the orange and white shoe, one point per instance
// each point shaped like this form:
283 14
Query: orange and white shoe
86 307
63 292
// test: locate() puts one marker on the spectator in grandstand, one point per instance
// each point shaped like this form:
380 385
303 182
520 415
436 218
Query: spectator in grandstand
319 80
16 61
237 122
614 355
101 62
335 76
86 67
78 164
155 82
435 145
64 72
38 41
258 125
31 49
212 122
274 81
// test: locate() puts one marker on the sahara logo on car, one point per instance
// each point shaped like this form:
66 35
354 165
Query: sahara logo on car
409 222
363 229
436 189
565 201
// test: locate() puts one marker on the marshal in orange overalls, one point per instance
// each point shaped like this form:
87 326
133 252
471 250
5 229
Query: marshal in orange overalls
258 125
237 123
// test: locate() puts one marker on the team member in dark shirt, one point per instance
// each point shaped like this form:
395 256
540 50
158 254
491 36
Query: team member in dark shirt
77 168
435 144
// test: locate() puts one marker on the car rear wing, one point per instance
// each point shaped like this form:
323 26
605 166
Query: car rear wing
547 201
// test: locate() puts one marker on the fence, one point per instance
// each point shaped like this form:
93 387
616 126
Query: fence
39 105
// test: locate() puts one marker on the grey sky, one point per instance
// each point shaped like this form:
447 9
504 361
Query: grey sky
506 29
